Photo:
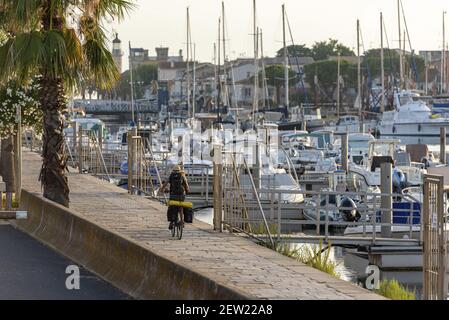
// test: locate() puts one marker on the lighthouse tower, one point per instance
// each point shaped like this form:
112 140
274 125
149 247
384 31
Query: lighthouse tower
117 52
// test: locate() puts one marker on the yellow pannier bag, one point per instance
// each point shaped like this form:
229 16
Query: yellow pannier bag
183 204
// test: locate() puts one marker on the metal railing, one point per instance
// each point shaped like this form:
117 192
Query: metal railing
434 239
91 154
293 214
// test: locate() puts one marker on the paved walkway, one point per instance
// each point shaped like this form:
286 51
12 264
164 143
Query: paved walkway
230 260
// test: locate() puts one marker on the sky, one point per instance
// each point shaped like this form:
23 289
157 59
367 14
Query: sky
156 23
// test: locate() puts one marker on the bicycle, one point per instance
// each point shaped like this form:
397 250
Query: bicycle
178 227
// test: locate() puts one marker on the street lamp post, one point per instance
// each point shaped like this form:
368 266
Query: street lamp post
18 158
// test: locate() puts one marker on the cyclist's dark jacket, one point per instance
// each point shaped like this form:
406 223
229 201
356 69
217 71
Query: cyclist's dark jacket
178 186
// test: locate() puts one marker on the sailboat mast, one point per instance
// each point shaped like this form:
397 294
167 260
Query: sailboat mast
132 84
265 93
443 54
401 58
256 32
219 71
215 72
286 78
427 75
338 84
188 60
194 81
225 86
382 106
359 77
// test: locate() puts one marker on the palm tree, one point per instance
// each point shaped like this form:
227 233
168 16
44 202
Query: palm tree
64 42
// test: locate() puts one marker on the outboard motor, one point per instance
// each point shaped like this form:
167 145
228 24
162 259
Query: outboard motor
399 181
349 213
426 162
124 167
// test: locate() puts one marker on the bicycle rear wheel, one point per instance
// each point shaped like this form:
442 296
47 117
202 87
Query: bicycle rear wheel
179 230
173 230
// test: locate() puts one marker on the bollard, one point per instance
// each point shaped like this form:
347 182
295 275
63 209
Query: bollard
443 156
13 215
218 192
386 199
344 152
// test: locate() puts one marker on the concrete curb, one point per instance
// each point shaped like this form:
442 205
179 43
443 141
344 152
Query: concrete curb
122 262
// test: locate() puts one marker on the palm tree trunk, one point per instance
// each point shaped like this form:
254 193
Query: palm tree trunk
7 164
54 167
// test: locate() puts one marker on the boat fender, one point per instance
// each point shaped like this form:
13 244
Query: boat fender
348 210
394 129
419 128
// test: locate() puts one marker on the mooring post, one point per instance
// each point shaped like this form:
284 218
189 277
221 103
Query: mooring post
218 191
344 152
18 163
74 136
100 137
258 167
129 139
443 156
80 151
386 199
2 190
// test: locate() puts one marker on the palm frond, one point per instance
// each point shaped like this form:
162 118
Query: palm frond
20 14
100 64
108 8
20 55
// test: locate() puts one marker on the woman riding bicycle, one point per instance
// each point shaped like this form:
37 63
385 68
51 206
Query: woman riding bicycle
179 187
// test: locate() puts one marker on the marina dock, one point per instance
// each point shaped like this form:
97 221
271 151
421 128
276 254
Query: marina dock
125 240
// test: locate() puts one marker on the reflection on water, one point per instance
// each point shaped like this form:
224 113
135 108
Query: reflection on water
206 216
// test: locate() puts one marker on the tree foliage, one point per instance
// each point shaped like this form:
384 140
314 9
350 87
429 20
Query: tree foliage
13 96
320 50
327 72
275 75
372 61
64 38
65 43
296 51
143 76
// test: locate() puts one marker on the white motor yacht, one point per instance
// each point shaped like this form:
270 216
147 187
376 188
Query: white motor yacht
411 118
